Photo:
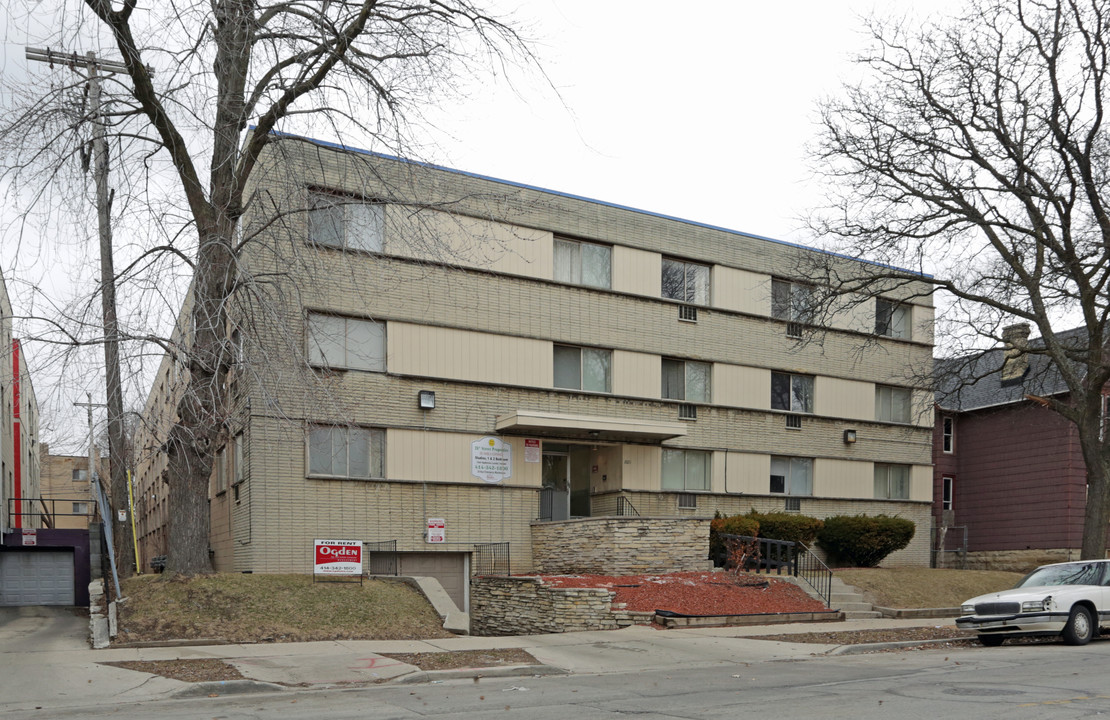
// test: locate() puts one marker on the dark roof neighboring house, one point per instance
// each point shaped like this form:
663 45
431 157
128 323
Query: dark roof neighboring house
1001 376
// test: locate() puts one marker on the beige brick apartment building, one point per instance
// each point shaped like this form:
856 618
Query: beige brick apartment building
586 359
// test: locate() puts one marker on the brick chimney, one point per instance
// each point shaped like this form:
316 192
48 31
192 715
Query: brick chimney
1016 361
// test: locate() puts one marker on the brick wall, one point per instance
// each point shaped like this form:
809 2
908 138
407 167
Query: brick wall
525 606
621 545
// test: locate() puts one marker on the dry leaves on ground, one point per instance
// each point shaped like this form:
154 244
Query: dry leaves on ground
465 659
206 670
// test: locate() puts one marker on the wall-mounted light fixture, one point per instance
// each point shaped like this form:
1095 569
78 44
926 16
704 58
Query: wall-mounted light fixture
849 436
427 399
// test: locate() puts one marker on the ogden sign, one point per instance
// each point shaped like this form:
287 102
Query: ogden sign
338 557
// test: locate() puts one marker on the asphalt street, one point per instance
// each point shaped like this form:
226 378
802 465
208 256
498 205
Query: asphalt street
1021 681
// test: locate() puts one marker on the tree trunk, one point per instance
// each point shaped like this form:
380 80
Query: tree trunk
1096 517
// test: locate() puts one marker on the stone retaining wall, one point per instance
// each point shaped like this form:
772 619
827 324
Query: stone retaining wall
1011 560
526 606
621 545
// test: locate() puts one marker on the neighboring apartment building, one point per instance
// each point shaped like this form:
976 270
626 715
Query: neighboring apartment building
19 430
1010 484
66 492
429 344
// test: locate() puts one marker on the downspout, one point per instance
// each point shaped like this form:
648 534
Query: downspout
17 440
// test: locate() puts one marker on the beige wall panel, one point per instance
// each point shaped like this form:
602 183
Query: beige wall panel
468 241
855 313
740 290
741 386
922 323
607 459
641 468
843 478
921 483
637 271
747 473
637 374
922 408
467 355
843 398
445 457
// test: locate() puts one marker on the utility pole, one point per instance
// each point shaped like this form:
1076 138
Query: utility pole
117 462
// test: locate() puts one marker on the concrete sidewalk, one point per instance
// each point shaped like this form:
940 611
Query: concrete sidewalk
74 675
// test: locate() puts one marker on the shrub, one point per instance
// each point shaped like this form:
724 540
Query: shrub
863 541
786 526
730 525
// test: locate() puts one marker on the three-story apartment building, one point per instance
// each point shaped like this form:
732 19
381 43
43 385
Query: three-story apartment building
415 343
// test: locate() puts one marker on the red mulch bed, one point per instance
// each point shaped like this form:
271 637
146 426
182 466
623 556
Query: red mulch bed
697 593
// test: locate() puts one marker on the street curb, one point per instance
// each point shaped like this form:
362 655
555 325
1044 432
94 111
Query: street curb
918 613
226 687
873 647
428 676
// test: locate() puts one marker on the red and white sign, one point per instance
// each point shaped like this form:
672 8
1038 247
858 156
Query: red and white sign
531 450
437 530
30 537
338 557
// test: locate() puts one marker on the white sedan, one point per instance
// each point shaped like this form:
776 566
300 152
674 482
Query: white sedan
1068 599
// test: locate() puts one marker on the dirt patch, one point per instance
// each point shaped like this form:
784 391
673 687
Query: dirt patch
272 608
925 587
465 659
184 670
858 637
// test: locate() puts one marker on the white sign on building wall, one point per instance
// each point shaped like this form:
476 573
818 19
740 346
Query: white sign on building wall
491 459
437 530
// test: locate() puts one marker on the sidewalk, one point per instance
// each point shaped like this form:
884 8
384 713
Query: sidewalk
73 676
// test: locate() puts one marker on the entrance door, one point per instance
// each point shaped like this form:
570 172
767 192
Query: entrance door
566 477
556 482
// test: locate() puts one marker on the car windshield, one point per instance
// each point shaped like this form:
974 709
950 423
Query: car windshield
1071 574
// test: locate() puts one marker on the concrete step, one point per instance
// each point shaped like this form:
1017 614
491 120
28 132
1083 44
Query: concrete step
861 614
853 606
847 596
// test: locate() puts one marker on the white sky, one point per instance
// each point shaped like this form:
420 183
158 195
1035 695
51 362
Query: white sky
697 110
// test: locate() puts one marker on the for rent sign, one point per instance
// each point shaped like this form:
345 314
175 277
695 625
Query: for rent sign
338 557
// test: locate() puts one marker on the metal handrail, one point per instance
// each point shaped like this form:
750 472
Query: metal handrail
625 506
817 574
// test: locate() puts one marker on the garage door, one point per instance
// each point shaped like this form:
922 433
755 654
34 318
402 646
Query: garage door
36 577
449 568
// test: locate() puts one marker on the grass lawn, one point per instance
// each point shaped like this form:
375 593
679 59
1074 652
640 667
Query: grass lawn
925 587
239 608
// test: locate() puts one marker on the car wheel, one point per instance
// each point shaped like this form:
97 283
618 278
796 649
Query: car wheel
1080 628
992 640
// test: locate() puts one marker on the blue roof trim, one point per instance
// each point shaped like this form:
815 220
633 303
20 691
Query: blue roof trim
582 198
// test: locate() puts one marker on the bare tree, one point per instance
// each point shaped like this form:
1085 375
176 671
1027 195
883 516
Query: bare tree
976 147
198 76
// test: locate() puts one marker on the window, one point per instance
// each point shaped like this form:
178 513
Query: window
339 342
892 319
791 301
80 508
948 434
582 368
892 482
685 470
237 459
80 475
792 475
220 469
793 393
892 404
946 494
688 282
583 263
686 380
346 452
342 221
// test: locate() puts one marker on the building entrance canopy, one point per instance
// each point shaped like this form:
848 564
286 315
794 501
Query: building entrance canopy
587 427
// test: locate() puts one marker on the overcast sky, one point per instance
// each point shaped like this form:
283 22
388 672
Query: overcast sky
697 110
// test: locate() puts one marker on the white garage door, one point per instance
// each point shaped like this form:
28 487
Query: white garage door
39 577
447 567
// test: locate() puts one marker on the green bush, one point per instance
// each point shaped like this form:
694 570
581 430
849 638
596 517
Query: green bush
863 541
786 526
728 525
